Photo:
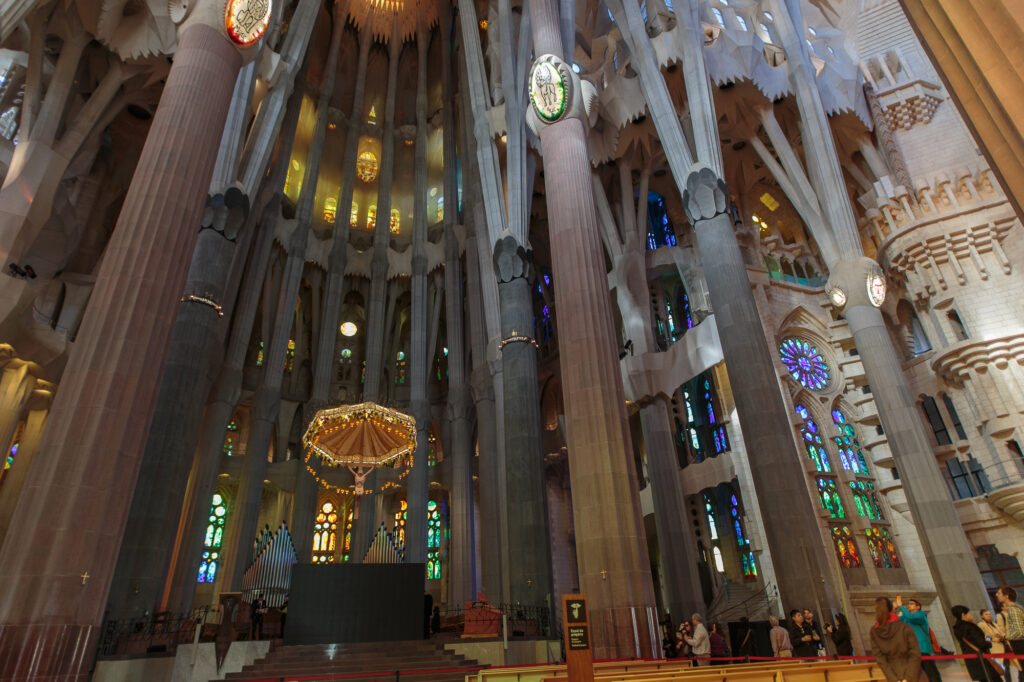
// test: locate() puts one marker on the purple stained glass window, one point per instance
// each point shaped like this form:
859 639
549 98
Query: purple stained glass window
804 363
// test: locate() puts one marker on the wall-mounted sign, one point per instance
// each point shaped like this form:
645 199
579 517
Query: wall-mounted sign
547 91
578 636
246 20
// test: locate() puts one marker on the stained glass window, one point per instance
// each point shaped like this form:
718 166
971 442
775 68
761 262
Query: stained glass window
259 356
346 546
749 563
828 493
866 500
805 363
813 443
846 549
396 220
212 541
659 227
330 209
325 533
440 209
400 367
433 541
13 451
371 217
346 353
229 438
719 564
367 166
705 433
882 548
849 449
289 356
401 516
353 216
709 510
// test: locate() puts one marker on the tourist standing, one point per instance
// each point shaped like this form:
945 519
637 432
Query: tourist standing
895 646
972 641
700 645
995 634
805 640
1014 616
745 635
781 645
912 615
810 620
719 648
841 636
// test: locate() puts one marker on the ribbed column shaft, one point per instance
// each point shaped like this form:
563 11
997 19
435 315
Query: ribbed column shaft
78 497
611 545
418 481
226 390
462 584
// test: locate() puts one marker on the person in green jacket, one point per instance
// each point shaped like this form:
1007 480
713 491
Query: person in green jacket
912 615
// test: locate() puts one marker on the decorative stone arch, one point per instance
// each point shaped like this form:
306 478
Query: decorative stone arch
802 325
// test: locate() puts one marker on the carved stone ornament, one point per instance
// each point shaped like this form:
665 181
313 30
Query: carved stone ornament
511 260
705 195
246 20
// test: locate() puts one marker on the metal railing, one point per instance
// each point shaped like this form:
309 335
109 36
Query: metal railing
155 633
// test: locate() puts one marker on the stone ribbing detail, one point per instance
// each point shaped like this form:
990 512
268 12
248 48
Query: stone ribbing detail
52 605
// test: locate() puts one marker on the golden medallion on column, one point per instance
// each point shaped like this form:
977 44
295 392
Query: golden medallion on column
246 20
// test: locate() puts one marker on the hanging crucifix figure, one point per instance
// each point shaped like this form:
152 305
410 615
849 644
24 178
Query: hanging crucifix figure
360 474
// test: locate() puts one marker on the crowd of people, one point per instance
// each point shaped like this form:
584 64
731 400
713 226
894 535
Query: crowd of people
900 639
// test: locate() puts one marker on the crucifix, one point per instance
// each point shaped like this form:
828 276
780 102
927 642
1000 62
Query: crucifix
85 576
360 474
604 574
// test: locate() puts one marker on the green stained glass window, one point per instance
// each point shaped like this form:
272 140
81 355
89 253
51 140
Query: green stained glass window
212 540
828 493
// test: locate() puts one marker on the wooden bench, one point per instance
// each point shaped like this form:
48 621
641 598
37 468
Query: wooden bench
774 671
536 673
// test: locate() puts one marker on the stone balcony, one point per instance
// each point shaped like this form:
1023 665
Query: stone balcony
1009 499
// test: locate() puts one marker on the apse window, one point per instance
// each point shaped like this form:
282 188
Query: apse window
348 329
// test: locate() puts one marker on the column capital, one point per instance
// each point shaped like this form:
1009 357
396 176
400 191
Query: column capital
511 259
420 409
706 195
460 402
226 211
856 282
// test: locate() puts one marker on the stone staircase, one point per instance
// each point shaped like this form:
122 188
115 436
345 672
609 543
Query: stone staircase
734 600
419 661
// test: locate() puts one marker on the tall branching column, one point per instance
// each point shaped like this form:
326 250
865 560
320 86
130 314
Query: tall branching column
946 547
610 539
306 489
418 481
375 317
241 526
52 605
462 584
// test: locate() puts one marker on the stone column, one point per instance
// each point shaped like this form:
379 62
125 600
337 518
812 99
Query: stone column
610 539
946 547
462 583
241 527
109 389
16 385
803 571
482 384
375 317
529 566
153 518
38 407
675 539
417 484
306 489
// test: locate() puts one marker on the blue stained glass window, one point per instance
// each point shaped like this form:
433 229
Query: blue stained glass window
805 363
659 227
813 443
433 541
212 540
849 448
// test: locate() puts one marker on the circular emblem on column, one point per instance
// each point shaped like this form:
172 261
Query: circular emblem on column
246 20
836 295
547 89
876 289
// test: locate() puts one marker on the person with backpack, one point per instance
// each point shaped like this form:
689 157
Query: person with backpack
894 645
